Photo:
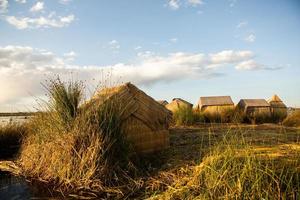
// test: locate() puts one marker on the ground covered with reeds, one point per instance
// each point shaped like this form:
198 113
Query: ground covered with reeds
230 162
208 161
76 148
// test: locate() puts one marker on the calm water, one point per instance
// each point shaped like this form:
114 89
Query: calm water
17 188
18 119
13 187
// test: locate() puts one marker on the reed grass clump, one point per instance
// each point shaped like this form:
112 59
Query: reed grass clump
11 136
233 170
292 120
184 116
77 147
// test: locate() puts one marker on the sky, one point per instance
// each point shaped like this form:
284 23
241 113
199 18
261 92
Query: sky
168 48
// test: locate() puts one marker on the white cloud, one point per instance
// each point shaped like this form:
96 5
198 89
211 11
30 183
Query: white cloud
242 24
250 38
3 6
195 2
40 22
30 66
249 65
65 2
145 54
39 6
21 1
230 56
174 4
67 19
70 56
173 40
137 48
253 65
114 45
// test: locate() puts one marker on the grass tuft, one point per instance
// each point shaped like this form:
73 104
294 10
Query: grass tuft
78 147
292 120
233 169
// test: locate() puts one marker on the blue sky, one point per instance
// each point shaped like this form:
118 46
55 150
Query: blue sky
176 48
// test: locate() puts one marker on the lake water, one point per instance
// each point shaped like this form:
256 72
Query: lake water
17 188
14 119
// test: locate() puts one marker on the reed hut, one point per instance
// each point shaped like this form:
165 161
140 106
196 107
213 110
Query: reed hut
144 121
253 108
214 104
163 102
178 103
278 108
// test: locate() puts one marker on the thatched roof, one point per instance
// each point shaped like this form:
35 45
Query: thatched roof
254 103
215 101
182 101
275 101
275 98
136 103
178 103
162 102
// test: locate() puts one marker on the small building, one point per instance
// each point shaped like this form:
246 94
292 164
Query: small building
144 121
163 102
278 108
254 107
214 104
178 103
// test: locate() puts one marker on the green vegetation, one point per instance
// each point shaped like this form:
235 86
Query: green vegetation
292 120
11 136
224 115
184 116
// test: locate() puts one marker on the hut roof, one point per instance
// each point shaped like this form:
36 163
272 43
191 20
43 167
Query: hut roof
255 102
275 98
275 101
163 102
183 101
135 102
215 101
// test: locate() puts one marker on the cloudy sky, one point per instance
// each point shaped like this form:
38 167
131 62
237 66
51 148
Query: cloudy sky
175 48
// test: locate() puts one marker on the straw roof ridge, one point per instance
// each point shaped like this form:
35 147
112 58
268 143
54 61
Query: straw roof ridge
215 101
276 102
255 102
163 102
137 103
275 98
182 100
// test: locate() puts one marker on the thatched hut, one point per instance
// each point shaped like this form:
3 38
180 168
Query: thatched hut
163 102
144 121
214 104
178 103
255 108
278 108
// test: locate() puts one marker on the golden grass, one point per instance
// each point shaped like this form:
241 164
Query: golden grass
238 166
77 149
293 120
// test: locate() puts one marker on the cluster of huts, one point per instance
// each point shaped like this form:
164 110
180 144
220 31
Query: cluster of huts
145 121
216 104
